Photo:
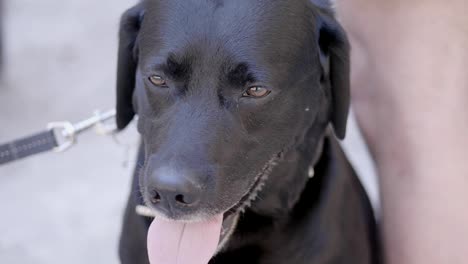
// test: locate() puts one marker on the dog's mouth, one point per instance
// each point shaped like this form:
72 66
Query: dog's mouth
197 242
231 217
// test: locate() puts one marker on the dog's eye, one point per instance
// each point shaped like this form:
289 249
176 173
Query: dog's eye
158 81
256 92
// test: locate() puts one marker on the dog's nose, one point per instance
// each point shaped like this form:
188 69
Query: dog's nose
174 189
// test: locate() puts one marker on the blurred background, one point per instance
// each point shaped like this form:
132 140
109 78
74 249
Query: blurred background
59 64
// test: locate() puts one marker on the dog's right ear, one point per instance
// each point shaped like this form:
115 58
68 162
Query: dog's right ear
335 61
127 64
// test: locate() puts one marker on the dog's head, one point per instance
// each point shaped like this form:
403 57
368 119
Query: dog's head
222 89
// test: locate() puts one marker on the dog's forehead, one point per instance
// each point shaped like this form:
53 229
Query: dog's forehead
272 30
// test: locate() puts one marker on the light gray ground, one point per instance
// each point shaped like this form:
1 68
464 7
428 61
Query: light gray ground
67 208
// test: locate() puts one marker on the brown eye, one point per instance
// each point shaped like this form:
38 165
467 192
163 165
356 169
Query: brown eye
256 92
158 81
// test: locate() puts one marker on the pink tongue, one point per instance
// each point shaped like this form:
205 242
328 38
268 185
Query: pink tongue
178 243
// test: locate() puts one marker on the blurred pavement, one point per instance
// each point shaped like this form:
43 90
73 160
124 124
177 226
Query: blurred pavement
67 208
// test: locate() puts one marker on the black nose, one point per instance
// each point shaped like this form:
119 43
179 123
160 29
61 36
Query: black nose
173 190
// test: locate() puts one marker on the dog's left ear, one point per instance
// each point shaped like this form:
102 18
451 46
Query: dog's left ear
127 64
335 62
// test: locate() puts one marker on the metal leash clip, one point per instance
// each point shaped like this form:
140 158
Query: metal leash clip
66 132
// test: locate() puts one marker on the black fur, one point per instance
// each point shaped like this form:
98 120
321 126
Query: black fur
200 125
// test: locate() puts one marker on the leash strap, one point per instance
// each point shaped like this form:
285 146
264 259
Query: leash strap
27 146
59 137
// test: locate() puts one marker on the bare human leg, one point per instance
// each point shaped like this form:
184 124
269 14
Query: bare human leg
410 94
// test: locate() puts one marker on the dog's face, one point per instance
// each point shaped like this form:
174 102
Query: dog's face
221 89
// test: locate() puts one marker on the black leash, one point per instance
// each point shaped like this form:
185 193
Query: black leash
58 137
27 146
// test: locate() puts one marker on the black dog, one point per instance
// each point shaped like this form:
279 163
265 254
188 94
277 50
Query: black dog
233 96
